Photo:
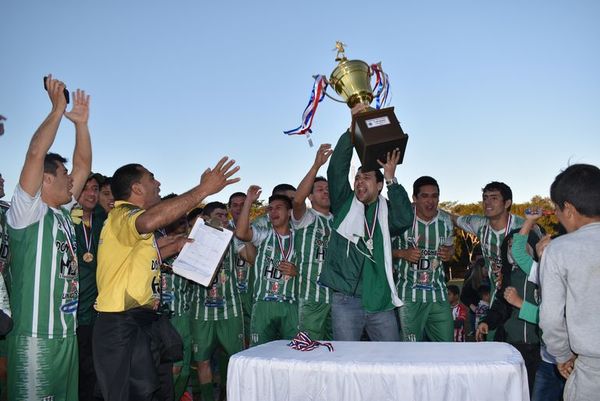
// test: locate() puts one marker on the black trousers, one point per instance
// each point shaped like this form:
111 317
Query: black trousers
126 356
87 374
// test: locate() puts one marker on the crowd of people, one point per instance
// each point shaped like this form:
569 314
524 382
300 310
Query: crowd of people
91 308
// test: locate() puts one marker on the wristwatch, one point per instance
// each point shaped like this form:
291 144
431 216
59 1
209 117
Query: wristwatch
392 181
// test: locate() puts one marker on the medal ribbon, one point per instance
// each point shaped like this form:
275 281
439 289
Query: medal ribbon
88 242
62 222
302 342
317 95
371 231
382 86
285 256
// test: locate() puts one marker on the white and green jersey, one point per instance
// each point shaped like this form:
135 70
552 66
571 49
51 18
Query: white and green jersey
424 281
242 268
491 241
311 237
221 299
44 272
271 248
4 249
177 292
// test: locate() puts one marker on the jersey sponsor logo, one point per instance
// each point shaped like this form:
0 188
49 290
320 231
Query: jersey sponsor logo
155 286
68 268
155 265
70 307
167 297
271 270
320 250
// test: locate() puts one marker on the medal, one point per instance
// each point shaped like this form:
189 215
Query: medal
371 231
88 257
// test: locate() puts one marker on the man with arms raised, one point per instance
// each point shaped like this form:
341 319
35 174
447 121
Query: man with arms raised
312 228
129 276
570 282
44 270
421 282
358 265
275 310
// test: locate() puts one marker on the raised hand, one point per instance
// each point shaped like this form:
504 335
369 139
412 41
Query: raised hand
323 155
80 111
542 244
253 193
389 167
215 179
55 90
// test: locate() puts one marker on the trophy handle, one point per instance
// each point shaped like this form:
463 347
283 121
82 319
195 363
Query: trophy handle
334 99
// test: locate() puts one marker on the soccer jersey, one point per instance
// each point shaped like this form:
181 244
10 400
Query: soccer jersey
128 273
44 271
269 283
459 315
4 249
311 237
221 299
424 281
177 292
491 241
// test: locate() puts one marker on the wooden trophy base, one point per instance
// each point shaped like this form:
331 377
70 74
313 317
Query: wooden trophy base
374 134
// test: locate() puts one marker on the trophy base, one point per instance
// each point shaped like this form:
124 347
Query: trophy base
374 134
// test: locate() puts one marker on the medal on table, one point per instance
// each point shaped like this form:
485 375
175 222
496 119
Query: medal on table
88 256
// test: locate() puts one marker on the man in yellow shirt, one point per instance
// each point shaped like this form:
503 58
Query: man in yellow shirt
125 346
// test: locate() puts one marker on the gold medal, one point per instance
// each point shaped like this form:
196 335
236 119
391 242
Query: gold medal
88 257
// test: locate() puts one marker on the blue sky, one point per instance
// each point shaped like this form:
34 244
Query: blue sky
487 90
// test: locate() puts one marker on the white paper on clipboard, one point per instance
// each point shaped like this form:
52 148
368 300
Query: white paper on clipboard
199 260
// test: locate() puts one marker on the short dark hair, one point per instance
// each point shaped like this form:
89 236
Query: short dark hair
501 187
235 195
378 173
212 206
124 178
579 185
283 198
281 188
194 213
169 196
422 181
317 179
51 161
454 289
105 182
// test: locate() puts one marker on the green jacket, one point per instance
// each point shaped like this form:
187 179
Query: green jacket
345 260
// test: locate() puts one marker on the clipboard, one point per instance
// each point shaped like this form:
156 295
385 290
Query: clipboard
199 260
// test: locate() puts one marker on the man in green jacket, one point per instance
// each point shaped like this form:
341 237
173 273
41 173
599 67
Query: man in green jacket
358 264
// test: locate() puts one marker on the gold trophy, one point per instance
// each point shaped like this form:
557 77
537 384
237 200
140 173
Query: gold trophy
374 132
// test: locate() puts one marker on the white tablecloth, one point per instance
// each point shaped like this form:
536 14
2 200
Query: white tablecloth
378 371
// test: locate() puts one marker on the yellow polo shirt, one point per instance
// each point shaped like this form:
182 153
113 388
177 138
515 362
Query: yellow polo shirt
128 274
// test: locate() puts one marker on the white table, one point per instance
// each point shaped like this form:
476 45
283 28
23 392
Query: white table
378 371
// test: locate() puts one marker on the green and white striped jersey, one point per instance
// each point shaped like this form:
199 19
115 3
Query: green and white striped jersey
311 237
44 271
491 241
177 291
269 283
4 249
424 281
221 299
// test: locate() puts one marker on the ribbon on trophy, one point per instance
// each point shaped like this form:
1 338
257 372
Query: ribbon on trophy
302 342
317 95
382 86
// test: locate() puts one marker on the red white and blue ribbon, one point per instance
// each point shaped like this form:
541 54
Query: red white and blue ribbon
382 86
302 342
317 95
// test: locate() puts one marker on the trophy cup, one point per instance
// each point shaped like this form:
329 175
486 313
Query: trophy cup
374 132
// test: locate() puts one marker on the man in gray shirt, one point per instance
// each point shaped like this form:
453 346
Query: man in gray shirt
570 282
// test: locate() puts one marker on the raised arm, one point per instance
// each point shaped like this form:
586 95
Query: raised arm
401 213
305 186
243 230
165 212
82 155
33 169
